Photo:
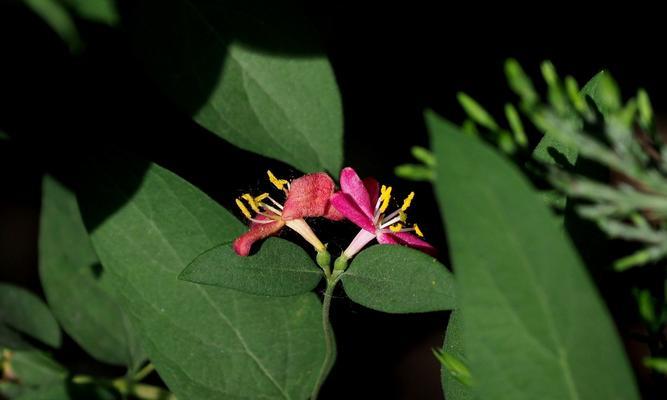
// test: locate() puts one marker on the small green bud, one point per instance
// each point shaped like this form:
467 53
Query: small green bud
454 366
323 259
340 264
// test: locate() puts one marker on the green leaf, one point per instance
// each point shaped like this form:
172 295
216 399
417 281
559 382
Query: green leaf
206 342
452 385
26 313
520 83
35 368
78 290
414 172
398 279
476 112
515 123
549 145
534 324
67 391
58 18
279 268
657 364
100 11
12 339
250 72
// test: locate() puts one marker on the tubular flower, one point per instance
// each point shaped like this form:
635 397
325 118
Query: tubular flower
308 196
365 203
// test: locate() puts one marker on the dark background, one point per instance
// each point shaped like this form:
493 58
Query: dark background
390 62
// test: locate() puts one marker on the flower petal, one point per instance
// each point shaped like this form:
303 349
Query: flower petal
407 239
309 197
344 203
243 243
351 184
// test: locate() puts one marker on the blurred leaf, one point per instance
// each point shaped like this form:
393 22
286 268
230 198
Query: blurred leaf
646 306
607 94
534 325
476 112
423 155
206 342
279 268
12 339
251 72
520 83
414 172
100 11
515 123
56 15
657 364
26 313
452 385
78 290
68 391
556 95
398 279
549 149
35 368
645 110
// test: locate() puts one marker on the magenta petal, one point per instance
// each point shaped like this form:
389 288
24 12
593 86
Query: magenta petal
351 184
346 205
407 239
243 243
373 188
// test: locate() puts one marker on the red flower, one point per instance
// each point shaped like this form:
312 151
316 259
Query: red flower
364 203
308 196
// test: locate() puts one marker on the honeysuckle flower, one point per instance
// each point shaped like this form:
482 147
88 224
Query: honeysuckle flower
307 196
365 203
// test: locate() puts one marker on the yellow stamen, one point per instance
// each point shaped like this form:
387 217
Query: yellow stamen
251 202
279 183
403 216
407 201
385 197
261 197
396 227
243 209
418 231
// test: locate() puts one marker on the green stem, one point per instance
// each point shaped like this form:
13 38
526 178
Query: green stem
144 372
329 340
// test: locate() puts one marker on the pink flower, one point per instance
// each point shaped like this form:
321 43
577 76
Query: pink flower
365 203
308 196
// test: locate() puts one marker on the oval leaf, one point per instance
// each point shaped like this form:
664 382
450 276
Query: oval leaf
454 389
279 268
76 287
35 368
398 279
534 325
26 313
206 342
249 72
